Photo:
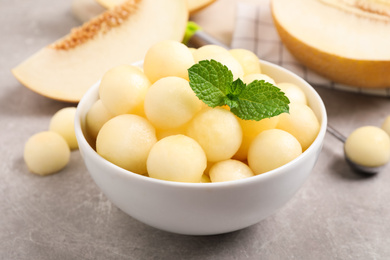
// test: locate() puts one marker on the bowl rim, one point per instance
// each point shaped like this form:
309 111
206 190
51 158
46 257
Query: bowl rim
93 90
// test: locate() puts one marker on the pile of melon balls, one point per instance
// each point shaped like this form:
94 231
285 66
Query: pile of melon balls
48 151
149 121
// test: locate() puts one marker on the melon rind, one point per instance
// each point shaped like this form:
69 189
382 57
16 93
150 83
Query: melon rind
66 75
366 67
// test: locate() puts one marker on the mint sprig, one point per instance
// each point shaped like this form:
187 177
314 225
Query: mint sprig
213 83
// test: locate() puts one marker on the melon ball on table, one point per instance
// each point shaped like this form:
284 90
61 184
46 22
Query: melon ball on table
218 131
62 123
271 149
170 103
122 90
46 153
167 58
368 146
126 140
177 158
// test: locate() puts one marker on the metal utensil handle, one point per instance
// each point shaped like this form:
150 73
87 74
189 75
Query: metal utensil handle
336 133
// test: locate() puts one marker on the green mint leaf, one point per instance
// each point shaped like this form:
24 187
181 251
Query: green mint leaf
260 99
233 92
236 88
231 101
209 80
213 83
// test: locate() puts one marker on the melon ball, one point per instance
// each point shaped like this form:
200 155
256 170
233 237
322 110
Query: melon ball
177 158
209 165
250 129
229 170
46 153
168 58
161 133
293 92
221 55
123 88
96 117
192 49
248 60
301 122
258 76
272 149
170 103
207 52
386 125
205 179
218 131
62 122
126 140
368 146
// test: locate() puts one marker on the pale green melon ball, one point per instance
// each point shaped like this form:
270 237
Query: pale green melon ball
247 79
126 140
96 117
177 158
207 52
293 92
248 60
218 132
368 146
229 170
123 89
221 55
205 179
161 133
272 149
46 153
250 129
301 122
62 122
170 103
168 58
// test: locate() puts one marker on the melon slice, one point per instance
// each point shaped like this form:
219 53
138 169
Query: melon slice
193 5
67 68
347 41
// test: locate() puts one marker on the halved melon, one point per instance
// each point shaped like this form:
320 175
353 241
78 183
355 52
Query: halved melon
66 69
347 41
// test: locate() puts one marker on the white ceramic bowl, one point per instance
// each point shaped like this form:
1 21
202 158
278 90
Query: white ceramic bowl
203 208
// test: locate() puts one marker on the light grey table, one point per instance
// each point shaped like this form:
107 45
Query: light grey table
336 215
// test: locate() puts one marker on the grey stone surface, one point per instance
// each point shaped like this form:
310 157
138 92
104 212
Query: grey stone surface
336 215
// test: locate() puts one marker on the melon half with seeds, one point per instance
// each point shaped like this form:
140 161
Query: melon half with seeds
347 41
67 68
